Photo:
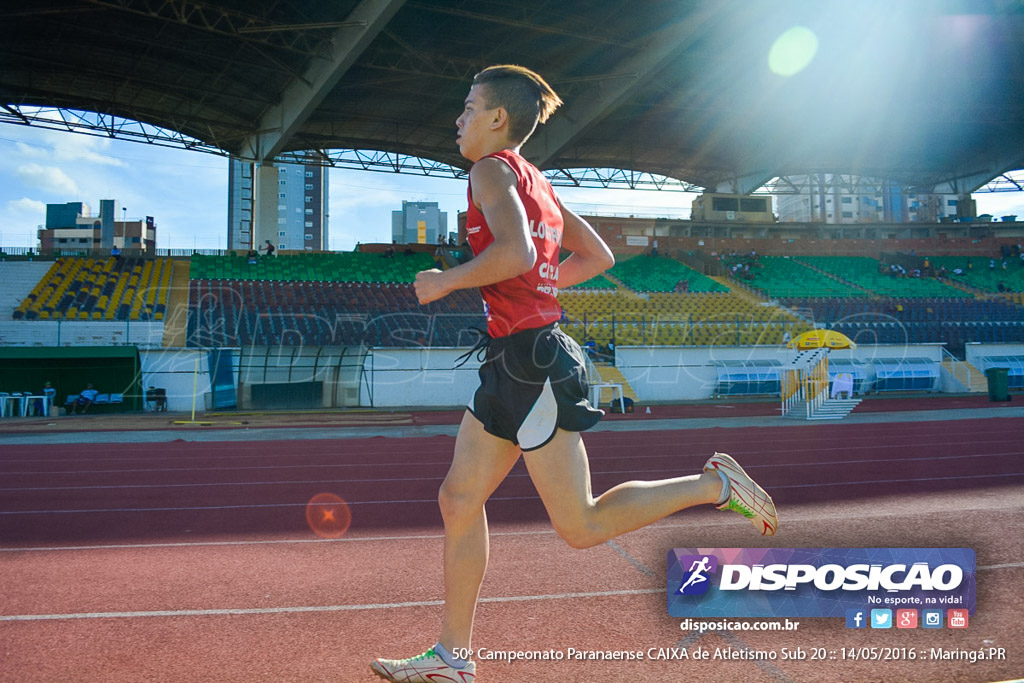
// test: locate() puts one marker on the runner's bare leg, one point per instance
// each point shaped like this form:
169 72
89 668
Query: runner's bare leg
561 473
481 463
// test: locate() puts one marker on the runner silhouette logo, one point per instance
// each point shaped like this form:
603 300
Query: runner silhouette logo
696 580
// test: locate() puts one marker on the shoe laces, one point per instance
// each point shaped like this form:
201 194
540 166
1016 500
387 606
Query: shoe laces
428 653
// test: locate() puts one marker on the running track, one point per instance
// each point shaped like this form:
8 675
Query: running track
191 561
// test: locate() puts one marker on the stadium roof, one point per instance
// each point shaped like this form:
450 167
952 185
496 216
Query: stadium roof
926 93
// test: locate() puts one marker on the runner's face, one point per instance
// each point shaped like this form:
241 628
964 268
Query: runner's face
473 125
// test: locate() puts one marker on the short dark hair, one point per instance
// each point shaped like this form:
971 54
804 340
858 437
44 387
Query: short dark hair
526 97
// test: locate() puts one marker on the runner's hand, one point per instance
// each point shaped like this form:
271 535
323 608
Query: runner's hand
430 286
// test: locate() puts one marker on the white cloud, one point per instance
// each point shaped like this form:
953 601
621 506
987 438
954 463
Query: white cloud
84 148
1000 203
18 221
48 178
27 206
30 150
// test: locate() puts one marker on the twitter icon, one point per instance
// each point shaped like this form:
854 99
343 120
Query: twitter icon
881 618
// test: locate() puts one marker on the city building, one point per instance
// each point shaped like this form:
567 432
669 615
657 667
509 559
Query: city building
72 226
418 223
302 219
845 199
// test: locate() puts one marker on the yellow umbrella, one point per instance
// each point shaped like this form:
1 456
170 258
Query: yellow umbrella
816 339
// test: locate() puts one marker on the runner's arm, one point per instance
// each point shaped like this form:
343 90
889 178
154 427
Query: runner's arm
590 255
510 254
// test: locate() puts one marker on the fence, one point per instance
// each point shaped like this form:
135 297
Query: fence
805 384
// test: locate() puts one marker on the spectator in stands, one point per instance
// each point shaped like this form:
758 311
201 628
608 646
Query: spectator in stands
1001 287
115 251
158 397
590 348
654 249
958 271
970 266
42 406
253 257
786 338
389 252
991 264
269 248
84 400
408 250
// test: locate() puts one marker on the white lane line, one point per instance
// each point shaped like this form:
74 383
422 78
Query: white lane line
319 608
343 608
959 477
688 453
863 512
1009 565
514 474
603 444
637 564
281 541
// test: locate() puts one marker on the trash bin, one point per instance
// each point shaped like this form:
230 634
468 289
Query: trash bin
998 384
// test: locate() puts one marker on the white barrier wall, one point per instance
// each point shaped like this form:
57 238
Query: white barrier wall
977 351
682 373
428 378
175 370
419 377
685 373
81 333
865 352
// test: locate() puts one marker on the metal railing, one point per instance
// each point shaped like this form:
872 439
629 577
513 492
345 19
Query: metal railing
961 370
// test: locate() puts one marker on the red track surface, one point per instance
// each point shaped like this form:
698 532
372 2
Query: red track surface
192 561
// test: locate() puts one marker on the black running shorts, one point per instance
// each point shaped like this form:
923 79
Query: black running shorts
531 384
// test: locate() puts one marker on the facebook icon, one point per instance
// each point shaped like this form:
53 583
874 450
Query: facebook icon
856 618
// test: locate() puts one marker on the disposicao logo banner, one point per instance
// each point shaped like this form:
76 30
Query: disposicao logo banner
816 582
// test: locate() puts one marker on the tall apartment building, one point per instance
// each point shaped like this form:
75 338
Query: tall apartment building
302 200
844 199
72 226
418 223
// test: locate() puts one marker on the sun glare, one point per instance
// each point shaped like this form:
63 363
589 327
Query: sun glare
792 51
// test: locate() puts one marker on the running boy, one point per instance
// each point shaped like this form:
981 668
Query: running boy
532 398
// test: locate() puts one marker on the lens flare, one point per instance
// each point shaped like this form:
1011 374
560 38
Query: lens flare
792 51
328 515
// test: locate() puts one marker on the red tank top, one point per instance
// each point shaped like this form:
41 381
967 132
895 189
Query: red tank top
528 300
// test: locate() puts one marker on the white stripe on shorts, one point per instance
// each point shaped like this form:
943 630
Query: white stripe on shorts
539 426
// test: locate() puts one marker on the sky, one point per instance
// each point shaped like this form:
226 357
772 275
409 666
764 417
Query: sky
186 191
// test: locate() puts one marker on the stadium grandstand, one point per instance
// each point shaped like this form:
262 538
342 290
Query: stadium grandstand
270 308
